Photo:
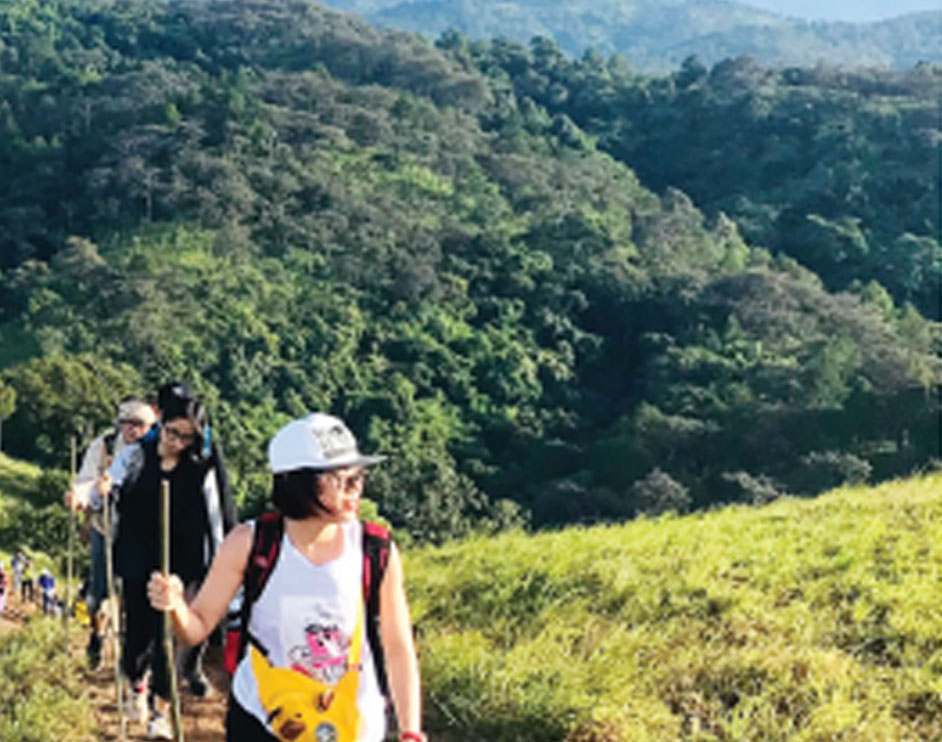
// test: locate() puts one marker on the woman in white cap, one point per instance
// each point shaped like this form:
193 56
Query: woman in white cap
309 669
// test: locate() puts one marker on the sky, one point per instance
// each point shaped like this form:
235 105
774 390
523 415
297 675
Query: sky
844 10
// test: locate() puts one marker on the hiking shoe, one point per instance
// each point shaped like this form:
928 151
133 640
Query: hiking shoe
135 705
93 652
198 685
159 727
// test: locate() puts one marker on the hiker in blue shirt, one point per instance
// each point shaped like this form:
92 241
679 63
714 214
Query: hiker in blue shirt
47 590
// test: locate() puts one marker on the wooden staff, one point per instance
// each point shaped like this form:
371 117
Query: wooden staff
168 619
114 614
71 547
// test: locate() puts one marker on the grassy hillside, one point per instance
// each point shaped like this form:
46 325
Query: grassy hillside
40 691
31 515
17 480
806 620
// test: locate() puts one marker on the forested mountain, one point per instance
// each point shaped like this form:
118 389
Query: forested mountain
296 211
657 35
839 169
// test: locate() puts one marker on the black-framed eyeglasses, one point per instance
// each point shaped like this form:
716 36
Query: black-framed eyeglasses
175 435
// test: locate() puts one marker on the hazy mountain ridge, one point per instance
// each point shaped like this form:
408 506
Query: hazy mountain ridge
658 36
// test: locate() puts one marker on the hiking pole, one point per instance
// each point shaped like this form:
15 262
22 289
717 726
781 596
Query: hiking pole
68 559
168 619
114 615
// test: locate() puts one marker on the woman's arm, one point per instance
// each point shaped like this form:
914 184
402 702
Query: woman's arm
193 622
402 666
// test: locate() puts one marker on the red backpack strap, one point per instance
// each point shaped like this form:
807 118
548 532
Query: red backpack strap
266 545
376 541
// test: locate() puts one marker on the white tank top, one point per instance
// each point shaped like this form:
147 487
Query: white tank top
305 618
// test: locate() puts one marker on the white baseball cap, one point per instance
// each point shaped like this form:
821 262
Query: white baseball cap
316 441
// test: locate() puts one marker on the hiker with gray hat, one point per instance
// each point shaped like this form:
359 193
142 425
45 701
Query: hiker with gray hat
134 419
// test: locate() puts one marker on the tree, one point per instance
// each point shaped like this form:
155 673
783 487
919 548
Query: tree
61 396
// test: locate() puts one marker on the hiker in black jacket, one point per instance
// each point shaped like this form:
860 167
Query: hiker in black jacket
200 513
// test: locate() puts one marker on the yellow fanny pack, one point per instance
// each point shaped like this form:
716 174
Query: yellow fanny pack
301 709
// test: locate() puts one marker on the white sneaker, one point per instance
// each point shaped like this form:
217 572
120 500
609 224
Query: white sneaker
159 727
135 704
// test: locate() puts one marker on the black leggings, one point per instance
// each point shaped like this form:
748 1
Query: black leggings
143 640
241 726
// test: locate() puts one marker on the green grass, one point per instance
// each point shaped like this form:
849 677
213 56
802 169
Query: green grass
17 478
32 517
41 692
803 621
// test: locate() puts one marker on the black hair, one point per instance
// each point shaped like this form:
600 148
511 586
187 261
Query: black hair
192 410
295 493
173 392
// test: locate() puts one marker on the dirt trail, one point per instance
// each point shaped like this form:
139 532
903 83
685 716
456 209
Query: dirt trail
202 717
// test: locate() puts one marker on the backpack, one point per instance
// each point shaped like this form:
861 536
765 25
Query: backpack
266 544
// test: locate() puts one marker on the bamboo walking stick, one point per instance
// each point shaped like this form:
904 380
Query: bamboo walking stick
114 615
168 619
71 547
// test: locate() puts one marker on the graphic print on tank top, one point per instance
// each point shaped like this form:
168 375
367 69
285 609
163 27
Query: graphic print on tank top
322 650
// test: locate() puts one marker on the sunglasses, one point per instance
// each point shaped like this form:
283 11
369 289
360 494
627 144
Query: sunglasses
131 422
349 483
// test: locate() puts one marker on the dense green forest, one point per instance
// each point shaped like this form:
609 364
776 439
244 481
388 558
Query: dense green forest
293 210
840 169
656 35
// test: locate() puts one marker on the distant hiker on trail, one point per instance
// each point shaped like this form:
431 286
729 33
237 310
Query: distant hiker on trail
134 419
324 608
27 593
47 591
16 565
4 587
201 509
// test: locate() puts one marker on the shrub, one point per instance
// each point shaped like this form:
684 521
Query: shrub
822 470
659 493
758 490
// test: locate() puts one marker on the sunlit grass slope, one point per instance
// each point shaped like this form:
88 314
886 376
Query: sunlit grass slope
17 480
41 689
805 620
